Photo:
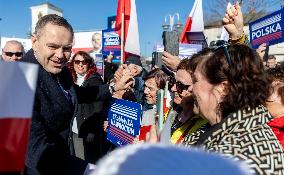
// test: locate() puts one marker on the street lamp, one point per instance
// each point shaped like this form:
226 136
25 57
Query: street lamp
172 25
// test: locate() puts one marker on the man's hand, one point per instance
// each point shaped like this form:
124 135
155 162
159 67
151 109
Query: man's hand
109 58
119 72
124 82
105 125
170 61
233 21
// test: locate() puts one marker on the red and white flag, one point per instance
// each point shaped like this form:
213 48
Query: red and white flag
194 21
18 83
126 26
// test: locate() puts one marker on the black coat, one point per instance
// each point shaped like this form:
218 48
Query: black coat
89 109
50 142
90 122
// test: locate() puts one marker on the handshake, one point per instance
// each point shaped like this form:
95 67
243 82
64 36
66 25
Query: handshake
123 81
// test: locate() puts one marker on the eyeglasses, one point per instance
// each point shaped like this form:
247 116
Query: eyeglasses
221 44
84 62
17 54
180 86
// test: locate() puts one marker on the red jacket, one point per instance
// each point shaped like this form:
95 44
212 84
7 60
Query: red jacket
277 125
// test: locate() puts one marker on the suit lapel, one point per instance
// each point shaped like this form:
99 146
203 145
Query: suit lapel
51 87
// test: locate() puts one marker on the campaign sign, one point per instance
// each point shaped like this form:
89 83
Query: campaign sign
123 122
111 44
267 29
99 64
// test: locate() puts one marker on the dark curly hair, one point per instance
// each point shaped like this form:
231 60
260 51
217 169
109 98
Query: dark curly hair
277 74
248 84
91 65
201 55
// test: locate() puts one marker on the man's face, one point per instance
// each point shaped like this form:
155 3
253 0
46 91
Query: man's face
52 47
97 41
271 63
12 52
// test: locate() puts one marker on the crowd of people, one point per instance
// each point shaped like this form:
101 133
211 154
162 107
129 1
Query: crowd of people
226 99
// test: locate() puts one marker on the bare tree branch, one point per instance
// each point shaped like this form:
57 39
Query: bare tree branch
252 10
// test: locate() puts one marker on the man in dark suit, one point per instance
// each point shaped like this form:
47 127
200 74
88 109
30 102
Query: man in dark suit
50 148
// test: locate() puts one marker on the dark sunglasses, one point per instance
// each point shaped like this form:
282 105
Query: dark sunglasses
180 86
221 44
84 62
17 54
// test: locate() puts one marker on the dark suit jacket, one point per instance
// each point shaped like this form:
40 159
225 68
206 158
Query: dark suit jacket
50 142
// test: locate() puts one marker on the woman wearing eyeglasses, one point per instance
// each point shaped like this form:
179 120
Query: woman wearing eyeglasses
230 96
181 120
88 124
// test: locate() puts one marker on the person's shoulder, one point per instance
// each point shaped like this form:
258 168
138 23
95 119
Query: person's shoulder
29 57
94 79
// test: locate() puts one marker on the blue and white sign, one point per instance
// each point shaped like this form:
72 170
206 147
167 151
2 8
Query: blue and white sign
123 122
267 29
111 44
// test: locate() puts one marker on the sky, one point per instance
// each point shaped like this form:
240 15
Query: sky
86 15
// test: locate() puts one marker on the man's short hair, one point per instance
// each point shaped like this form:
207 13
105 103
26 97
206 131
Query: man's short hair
52 19
16 43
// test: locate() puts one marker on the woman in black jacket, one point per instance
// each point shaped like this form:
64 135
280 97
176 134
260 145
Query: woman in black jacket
87 124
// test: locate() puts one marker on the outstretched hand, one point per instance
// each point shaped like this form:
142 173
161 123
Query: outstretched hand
233 21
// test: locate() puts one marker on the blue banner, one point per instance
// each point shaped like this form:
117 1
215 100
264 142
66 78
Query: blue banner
111 22
123 122
111 44
267 29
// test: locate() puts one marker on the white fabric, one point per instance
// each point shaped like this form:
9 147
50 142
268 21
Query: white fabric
89 169
18 84
197 17
154 159
75 126
149 117
132 44
80 79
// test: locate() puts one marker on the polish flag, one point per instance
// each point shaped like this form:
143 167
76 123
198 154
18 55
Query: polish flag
18 83
126 26
194 22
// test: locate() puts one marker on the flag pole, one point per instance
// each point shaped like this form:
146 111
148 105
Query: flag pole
122 38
